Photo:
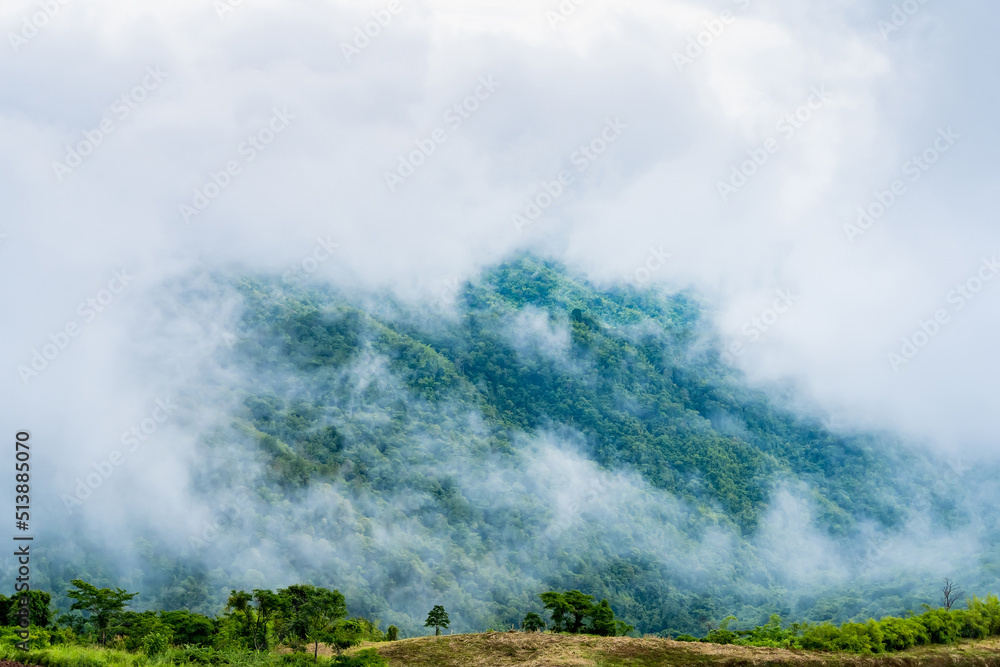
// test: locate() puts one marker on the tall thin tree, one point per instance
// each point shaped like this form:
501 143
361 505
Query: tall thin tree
949 593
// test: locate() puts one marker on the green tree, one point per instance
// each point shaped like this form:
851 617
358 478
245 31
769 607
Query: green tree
532 622
103 604
988 610
38 608
348 633
392 633
73 622
602 620
568 610
558 608
258 610
622 628
307 610
230 633
315 611
581 606
437 619
240 603
155 643
292 624
190 628
137 626
722 634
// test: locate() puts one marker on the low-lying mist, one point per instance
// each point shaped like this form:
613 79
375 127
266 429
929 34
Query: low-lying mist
295 437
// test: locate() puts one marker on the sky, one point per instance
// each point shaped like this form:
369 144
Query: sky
823 177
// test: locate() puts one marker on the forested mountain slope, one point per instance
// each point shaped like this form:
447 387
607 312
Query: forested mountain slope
542 433
531 349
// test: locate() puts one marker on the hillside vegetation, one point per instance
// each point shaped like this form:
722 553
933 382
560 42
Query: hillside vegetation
539 433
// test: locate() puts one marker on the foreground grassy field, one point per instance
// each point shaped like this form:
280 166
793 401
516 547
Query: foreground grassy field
500 649
519 649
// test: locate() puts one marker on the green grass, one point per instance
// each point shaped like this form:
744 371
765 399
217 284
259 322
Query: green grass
76 656
65 655
502 649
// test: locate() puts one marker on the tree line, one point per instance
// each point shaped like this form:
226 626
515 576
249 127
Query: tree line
942 625
302 616
575 612
297 616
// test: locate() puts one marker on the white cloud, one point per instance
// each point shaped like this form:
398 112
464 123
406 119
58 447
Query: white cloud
656 187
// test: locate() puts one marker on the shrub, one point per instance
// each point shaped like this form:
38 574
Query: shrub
988 610
821 637
142 626
369 629
971 624
230 636
367 658
721 636
532 622
295 660
864 638
155 643
942 626
197 655
39 638
770 634
348 633
900 634
189 628
63 636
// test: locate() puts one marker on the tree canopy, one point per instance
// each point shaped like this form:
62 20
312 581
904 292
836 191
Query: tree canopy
571 609
437 619
103 604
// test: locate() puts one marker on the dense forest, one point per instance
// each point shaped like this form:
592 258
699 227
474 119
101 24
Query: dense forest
539 433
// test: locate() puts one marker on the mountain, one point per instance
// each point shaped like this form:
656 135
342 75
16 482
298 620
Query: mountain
539 432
